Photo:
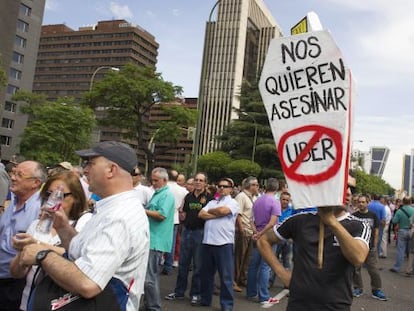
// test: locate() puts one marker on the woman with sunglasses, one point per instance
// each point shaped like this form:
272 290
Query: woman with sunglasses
74 205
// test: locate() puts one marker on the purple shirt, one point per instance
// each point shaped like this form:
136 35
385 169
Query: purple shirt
263 209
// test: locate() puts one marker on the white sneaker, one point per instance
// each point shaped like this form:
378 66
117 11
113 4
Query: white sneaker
270 302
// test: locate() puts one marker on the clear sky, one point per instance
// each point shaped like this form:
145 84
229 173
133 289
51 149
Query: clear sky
376 38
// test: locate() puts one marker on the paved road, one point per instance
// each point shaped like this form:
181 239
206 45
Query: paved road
398 287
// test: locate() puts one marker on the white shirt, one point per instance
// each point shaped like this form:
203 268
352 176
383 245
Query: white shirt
145 193
220 231
179 195
115 243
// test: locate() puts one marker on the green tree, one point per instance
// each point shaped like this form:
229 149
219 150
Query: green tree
55 129
240 169
214 164
238 137
366 183
126 98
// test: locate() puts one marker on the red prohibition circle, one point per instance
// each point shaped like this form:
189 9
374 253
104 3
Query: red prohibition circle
291 171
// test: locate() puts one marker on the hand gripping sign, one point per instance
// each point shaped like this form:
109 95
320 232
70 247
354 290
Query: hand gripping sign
308 95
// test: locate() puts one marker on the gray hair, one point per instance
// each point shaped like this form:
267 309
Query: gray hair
248 181
162 172
272 185
39 171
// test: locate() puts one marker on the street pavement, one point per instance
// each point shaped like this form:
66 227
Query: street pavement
398 287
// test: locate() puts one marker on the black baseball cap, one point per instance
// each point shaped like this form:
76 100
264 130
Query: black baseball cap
115 151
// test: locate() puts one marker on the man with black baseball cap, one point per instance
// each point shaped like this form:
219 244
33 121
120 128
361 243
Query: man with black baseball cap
115 242
115 151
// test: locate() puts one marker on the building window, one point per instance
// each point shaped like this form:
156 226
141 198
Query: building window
11 89
22 26
7 123
5 140
25 10
15 74
18 58
20 42
9 106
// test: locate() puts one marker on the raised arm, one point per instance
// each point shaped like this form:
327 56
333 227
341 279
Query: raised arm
354 250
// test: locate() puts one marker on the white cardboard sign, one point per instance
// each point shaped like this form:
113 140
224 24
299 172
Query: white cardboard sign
308 94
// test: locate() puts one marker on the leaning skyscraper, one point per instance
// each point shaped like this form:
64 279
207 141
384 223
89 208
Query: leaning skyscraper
235 48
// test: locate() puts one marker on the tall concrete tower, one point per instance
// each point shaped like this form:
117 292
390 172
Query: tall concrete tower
20 24
235 47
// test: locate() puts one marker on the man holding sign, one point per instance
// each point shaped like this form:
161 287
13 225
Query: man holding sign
308 95
346 245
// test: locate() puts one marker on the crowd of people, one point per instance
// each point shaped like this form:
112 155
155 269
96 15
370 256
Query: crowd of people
116 232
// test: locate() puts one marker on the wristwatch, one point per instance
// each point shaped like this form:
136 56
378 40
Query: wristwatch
40 256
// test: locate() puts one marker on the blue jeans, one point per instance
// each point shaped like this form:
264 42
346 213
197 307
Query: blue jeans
285 250
402 245
152 298
258 276
190 249
169 257
217 258
381 233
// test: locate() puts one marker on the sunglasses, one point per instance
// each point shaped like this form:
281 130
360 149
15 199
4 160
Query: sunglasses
48 193
223 186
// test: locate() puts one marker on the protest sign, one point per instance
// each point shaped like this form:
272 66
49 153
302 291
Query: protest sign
308 94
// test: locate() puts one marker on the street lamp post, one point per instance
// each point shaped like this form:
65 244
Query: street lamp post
255 133
96 135
96 71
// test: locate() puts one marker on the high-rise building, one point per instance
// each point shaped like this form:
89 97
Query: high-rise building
69 61
20 23
379 157
235 48
408 173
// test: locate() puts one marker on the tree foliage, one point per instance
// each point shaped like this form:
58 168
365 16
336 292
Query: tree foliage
214 164
171 130
238 138
126 97
366 183
55 129
240 169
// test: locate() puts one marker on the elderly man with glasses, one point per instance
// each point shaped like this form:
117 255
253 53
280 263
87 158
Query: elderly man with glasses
26 180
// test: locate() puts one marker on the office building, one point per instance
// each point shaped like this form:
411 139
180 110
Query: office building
235 48
20 23
408 174
379 157
69 61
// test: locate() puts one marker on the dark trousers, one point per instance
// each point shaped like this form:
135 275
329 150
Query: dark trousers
11 294
190 250
217 258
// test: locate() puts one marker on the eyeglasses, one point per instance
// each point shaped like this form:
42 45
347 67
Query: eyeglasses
199 180
48 193
223 186
20 175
